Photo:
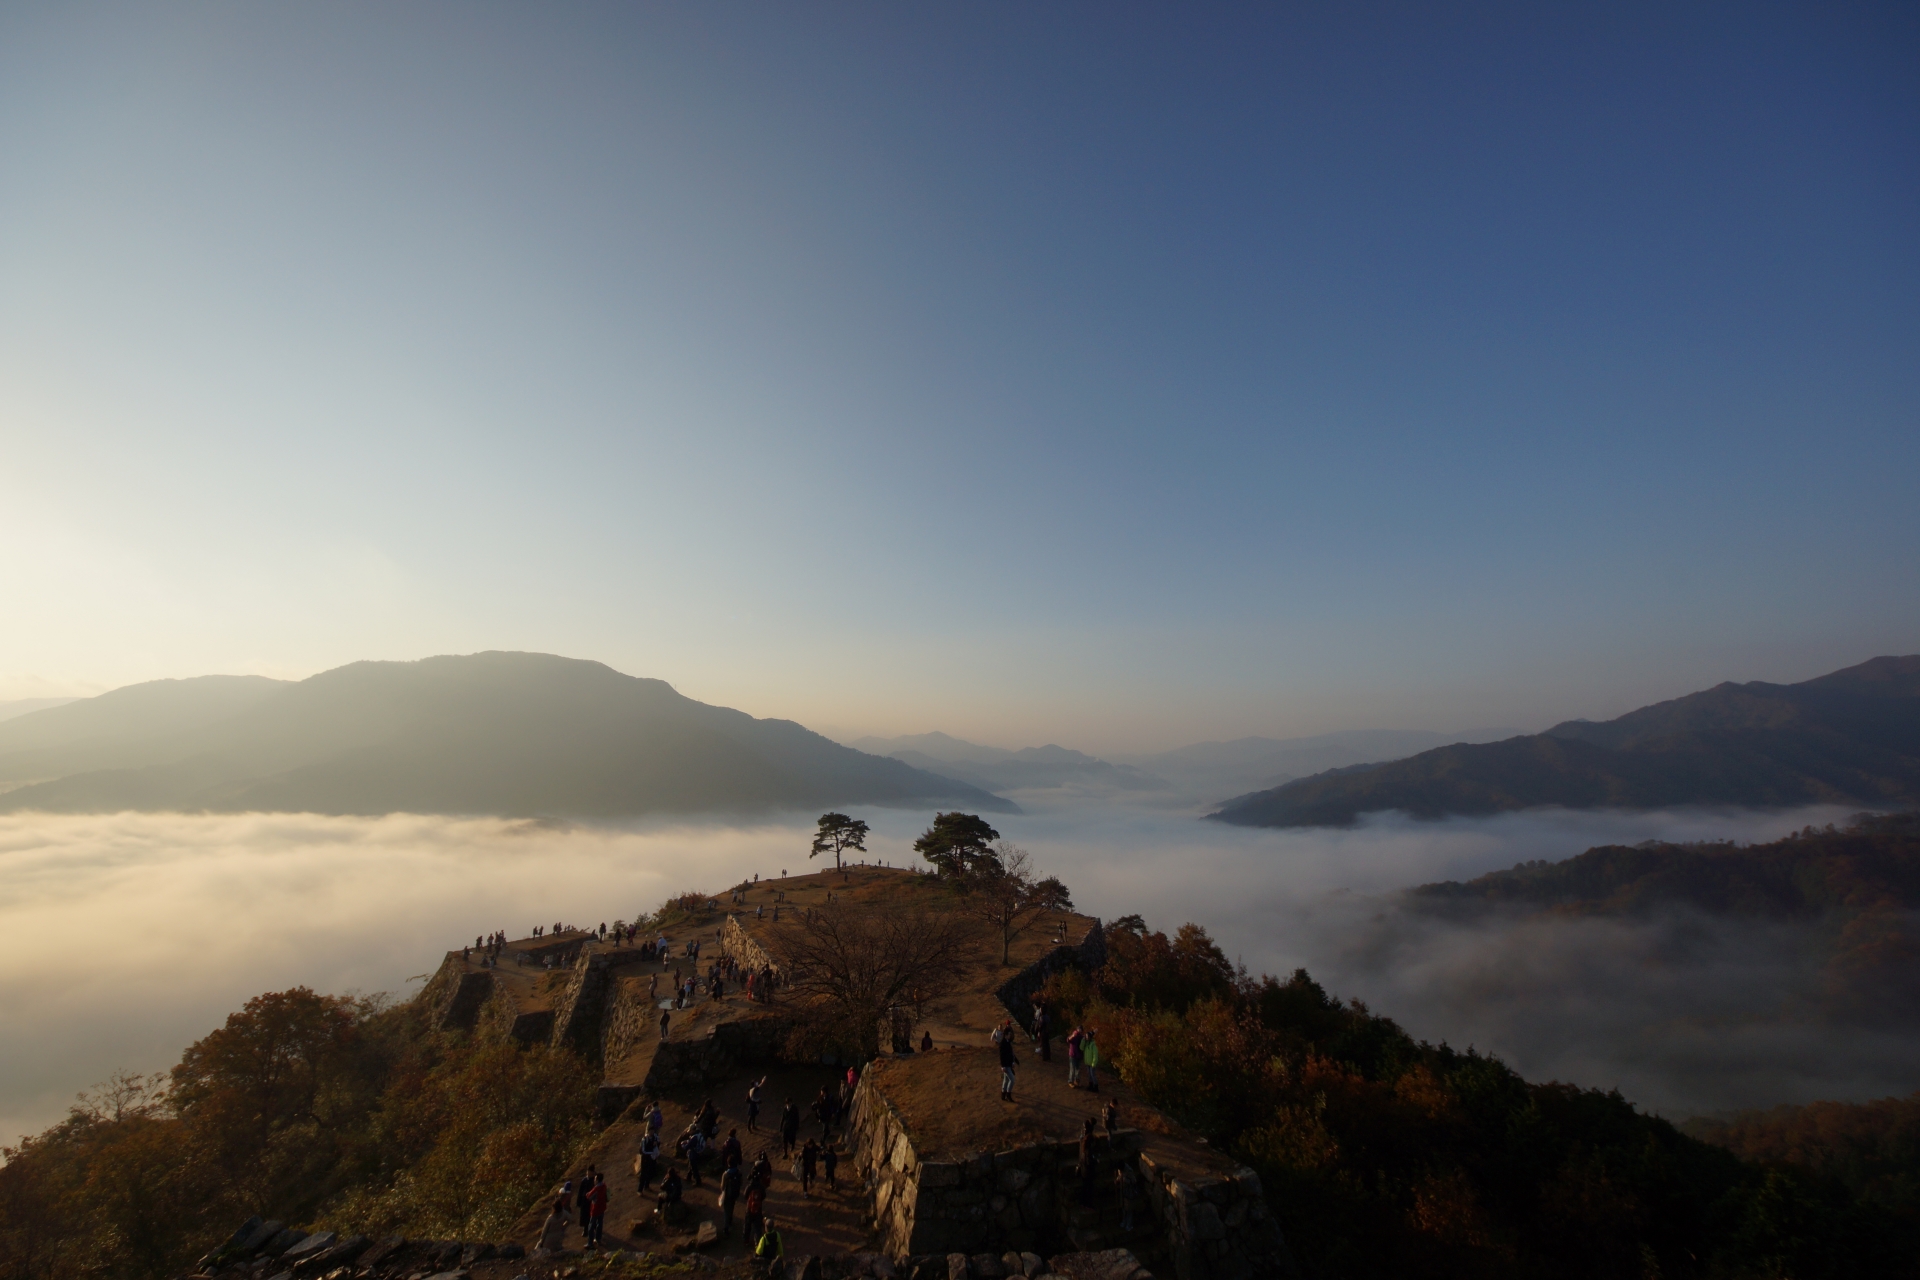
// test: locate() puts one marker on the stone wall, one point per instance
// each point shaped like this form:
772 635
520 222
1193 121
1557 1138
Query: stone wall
1024 1200
1217 1228
581 1011
740 947
631 1016
454 995
1029 1199
720 1053
1016 993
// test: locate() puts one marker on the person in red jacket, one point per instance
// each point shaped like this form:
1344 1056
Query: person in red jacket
596 1211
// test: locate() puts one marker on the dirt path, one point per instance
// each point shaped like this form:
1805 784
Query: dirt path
827 1221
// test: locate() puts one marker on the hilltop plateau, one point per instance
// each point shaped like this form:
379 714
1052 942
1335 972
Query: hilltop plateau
1851 737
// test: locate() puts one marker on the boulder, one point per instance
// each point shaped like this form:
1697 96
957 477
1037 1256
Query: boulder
382 1250
244 1230
1107 1264
260 1235
283 1241
309 1246
987 1267
707 1235
474 1252
508 1252
956 1266
1031 1265
335 1255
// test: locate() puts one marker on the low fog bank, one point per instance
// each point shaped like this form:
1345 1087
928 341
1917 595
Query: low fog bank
128 936
1685 1014
125 937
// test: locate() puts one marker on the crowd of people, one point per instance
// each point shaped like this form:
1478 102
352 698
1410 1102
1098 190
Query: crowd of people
740 1188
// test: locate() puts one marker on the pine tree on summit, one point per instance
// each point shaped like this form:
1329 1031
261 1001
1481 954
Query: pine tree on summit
837 834
957 844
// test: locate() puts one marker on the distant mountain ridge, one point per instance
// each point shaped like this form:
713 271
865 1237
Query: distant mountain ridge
1209 771
489 733
998 769
26 706
1849 737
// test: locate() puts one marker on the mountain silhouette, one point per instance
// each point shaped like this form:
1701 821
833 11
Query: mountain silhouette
488 733
1851 737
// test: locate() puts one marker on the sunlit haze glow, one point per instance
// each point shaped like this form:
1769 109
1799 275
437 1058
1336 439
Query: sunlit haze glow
1115 375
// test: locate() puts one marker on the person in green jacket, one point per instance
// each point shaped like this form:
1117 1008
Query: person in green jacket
768 1250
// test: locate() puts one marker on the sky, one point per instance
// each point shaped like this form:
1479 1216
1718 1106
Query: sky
1115 375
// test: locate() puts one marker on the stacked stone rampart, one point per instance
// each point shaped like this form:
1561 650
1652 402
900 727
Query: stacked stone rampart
1031 1199
631 1016
455 994
740 947
580 1013
1217 1228
720 1053
1086 955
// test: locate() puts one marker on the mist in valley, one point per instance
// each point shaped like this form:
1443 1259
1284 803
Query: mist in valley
127 936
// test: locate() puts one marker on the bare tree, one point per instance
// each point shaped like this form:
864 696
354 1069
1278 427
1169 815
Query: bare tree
854 961
1002 891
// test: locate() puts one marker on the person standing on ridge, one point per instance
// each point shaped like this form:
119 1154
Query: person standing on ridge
596 1211
768 1250
753 1104
730 1182
1074 1039
756 1213
809 1158
789 1128
647 1163
1009 1060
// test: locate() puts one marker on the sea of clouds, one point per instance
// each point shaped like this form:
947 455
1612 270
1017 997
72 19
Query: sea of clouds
124 937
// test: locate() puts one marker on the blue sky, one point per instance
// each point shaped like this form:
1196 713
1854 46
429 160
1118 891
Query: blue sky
1113 375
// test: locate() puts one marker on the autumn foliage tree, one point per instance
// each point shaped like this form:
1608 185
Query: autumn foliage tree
324 1110
1384 1156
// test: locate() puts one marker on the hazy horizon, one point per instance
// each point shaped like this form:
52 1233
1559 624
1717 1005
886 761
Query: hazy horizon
989 737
